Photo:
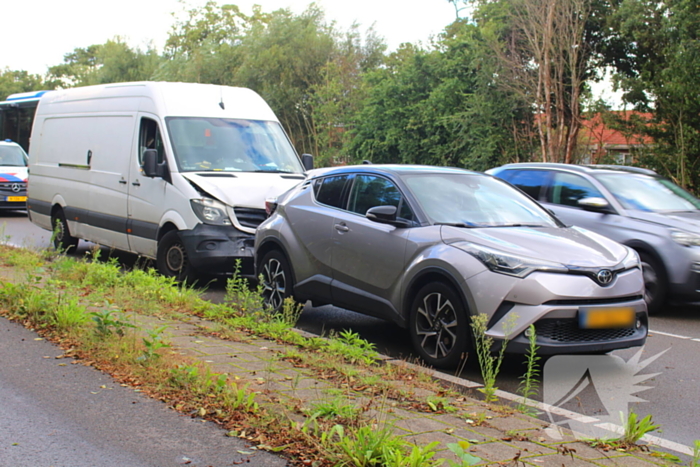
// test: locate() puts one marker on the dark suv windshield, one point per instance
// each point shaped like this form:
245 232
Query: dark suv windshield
648 193
475 201
230 145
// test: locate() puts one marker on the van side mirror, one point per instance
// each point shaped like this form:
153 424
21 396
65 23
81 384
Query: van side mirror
307 160
151 167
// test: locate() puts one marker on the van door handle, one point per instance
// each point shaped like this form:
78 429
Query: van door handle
136 183
342 227
122 181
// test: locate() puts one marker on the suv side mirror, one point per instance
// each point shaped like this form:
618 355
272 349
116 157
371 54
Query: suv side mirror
307 160
151 167
595 204
385 215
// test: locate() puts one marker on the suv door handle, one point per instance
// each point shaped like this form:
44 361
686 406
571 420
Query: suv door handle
342 227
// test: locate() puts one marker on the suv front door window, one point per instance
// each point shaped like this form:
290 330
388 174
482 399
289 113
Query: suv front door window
568 189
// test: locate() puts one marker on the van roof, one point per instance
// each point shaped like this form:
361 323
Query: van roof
168 99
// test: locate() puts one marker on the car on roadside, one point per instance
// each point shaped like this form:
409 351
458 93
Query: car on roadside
429 247
631 205
13 176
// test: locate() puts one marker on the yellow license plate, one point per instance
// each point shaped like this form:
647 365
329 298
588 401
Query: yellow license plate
596 318
16 199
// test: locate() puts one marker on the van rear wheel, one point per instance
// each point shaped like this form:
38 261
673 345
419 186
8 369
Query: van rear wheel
62 239
171 258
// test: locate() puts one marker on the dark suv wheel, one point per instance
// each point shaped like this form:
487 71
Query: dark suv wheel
654 283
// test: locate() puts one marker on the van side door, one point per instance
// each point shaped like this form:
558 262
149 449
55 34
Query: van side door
147 196
107 155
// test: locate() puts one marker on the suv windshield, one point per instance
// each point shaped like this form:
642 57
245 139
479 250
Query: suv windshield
12 156
471 200
230 145
646 193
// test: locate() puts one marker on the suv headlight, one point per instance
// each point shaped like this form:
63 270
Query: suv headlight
632 260
210 211
685 238
506 263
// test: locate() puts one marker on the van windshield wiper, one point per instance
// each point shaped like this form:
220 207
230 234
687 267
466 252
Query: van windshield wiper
274 171
458 224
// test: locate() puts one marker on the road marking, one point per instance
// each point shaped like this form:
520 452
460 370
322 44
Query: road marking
671 335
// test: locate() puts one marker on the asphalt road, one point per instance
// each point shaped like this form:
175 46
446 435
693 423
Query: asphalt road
672 395
58 414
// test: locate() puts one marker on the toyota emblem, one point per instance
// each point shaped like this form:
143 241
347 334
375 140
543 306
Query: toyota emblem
16 187
604 276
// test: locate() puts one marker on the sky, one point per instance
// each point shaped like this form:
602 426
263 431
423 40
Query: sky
45 30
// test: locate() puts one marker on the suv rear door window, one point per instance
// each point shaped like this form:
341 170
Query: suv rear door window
567 189
329 190
530 181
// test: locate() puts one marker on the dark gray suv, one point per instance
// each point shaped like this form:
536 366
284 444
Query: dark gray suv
427 247
631 205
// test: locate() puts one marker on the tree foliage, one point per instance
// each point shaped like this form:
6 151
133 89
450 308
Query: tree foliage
16 81
441 107
657 57
111 62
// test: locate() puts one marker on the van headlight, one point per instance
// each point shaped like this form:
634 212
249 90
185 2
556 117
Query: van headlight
685 238
210 211
506 263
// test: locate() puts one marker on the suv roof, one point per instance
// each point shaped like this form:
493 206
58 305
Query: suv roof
397 169
585 168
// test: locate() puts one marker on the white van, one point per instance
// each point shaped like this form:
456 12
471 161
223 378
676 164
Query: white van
178 172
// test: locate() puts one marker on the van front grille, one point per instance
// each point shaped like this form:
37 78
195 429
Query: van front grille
250 217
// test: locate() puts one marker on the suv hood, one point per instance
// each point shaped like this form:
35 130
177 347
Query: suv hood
244 188
570 246
684 220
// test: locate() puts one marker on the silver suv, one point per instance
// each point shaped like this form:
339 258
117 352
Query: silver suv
428 247
631 205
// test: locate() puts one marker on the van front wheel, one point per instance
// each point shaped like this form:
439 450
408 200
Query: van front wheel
171 259
62 239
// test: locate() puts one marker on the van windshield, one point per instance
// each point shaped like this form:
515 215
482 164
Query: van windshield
231 145
12 156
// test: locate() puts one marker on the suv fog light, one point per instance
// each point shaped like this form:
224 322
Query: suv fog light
639 324
528 332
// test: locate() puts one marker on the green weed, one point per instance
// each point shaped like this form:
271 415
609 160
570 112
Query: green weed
635 429
108 322
461 450
695 461
154 342
489 363
529 381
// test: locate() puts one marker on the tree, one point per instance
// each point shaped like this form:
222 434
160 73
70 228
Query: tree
547 51
440 107
111 62
15 81
655 49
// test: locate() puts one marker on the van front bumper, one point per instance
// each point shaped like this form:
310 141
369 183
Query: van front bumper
215 249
